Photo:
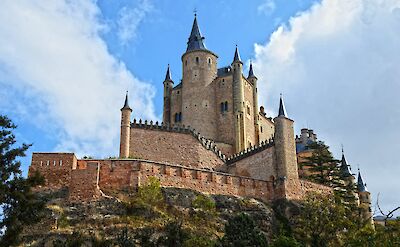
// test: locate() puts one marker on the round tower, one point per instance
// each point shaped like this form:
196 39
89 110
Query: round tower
365 200
125 129
199 68
285 147
168 85
238 102
253 79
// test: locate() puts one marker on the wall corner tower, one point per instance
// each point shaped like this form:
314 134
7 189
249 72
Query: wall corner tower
125 129
253 79
285 147
365 201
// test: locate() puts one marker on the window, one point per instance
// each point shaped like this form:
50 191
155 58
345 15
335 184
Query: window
186 62
178 117
261 129
41 163
226 106
248 110
177 92
197 60
222 107
209 60
60 162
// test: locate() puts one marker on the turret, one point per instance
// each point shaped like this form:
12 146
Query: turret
365 200
199 68
168 85
238 102
285 147
125 129
345 170
253 79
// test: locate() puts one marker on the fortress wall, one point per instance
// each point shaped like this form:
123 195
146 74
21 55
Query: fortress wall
118 174
84 183
206 181
296 189
260 165
268 128
172 147
55 167
225 119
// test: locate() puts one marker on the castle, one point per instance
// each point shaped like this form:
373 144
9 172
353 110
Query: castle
213 139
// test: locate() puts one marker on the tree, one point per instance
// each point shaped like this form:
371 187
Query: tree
241 230
321 222
20 206
321 165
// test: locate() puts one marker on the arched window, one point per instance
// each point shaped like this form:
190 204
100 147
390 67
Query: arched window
180 117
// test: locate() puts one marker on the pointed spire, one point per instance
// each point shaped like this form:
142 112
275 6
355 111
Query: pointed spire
361 186
251 73
236 58
344 167
195 41
168 75
282 110
126 105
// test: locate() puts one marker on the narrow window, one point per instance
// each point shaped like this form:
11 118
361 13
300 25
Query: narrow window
226 106
222 107
180 117
261 129
248 110
186 62
41 163
54 163
48 163
177 92
197 60
209 60
60 162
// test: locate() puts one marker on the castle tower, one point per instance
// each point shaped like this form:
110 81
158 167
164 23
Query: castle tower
199 67
125 129
238 103
344 169
253 79
365 200
285 147
168 84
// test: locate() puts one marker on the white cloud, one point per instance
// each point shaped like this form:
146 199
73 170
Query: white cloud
267 8
129 20
338 65
53 59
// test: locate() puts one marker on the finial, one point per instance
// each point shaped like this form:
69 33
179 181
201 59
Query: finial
342 149
195 12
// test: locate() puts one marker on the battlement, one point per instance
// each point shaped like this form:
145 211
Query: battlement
206 143
250 151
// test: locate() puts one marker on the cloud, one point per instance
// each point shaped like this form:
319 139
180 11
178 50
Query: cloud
267 8
59 75
129 20
338 66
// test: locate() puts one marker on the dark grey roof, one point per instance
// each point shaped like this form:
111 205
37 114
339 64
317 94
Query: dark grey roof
168 75
361 186
195 41
236 57
282 110
344 167
224 71
126 105
251 73
178 86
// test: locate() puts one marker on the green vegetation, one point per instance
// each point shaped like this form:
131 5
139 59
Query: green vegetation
20 206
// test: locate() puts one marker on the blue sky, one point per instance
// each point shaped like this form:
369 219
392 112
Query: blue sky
65 66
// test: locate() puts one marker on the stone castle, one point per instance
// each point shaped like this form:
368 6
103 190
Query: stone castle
213 139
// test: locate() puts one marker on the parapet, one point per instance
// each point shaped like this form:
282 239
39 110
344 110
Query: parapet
250 151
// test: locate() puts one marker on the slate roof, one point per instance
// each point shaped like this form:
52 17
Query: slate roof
344 167
282 110
361 186
236 57
195 41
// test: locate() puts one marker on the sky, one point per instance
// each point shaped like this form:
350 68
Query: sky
65 66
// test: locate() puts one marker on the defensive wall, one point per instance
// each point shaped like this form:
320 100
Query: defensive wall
90 179
173 144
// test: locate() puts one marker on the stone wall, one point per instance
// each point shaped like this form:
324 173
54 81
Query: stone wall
55 167
267 127
179 147
225 119
257 163
84 182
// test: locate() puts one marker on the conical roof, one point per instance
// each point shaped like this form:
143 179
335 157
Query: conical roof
236 57
195 41
361 186
168 75
282 110
126 104
251 73
344 167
